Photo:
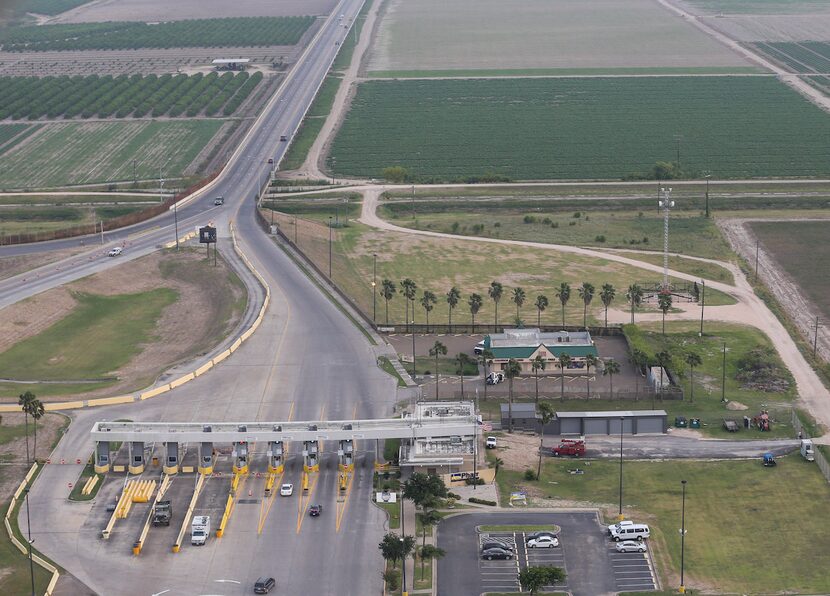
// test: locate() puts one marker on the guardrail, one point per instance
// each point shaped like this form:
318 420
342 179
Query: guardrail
37 559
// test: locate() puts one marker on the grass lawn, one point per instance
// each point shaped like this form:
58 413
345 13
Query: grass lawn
387 367
423 569
437 264
581 128
702 269
641 230
727 504
394 512
312 124
100 335
447 367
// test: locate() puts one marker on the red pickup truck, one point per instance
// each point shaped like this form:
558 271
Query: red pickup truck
575 447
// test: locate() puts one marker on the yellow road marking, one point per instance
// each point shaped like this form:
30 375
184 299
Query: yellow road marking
322 411
291 412
354 412
341 507
265 510
304 508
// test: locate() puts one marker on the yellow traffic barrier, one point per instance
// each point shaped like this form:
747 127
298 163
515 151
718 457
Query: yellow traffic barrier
225 516
200 480
90 484
154 392
139 544
203 369
182 380
269 483
235 345
343 481
220 357
305 483
111 401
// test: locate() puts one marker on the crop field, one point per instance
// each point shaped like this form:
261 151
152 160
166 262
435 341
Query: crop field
122 96
524 129
164 10
762 7
118 35
820 83
429 35
78 153
9 133
804 57
795 245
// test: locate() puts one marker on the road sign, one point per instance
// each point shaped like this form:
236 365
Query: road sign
207 235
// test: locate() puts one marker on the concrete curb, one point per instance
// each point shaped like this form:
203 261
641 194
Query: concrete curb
185 378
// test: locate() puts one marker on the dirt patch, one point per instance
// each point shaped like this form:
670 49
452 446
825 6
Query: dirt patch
13 453
209 305
11 266
518 451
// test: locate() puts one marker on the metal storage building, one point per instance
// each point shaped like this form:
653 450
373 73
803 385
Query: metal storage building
587 423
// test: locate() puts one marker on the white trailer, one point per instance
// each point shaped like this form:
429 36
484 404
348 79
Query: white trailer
807 450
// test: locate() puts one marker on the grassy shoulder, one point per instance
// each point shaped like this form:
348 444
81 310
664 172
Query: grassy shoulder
386 365
725 502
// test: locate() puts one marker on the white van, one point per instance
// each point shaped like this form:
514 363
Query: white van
478 350
807 450
627 530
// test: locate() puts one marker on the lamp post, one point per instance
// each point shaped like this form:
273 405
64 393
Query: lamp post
29 542
707 174
413 349
622 420
329 246
682 538
723 375
403 568
374 286
702 304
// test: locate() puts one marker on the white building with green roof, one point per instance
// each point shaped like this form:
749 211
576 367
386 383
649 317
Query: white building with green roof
524 345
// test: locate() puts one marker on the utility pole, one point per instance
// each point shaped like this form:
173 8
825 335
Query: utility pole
29 527
707 174
622 424
102 232
723 376
374 286
329 247
682 589
756 259
176 223
702 304
666 203
815 339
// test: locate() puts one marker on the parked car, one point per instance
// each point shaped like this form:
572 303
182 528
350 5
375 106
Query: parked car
532 535
286 490
631 546
496 553
490 443
479 348
114 252
315 510
492 543
264 585
543 542
494 378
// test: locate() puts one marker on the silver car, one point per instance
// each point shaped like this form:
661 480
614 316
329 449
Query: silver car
631 546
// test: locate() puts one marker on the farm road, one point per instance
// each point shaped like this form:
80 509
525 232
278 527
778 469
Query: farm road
750 309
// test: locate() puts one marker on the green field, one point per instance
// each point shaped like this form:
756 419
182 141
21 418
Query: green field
562 72
728 505
136 95
130 35
28 220
795 245
760 7
807 57
581 128
99 336
49 7
78 153
312 124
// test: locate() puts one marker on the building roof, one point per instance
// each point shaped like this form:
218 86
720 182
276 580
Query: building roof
231 61
611 414
520 410
523 343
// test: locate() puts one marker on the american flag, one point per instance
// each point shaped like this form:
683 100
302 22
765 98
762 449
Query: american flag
486 426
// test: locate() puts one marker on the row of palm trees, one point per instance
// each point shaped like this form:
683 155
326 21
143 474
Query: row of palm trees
496 291
33 407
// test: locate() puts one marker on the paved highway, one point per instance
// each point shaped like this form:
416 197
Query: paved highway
307 361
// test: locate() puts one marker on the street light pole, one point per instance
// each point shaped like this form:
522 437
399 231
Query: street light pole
413 349
176 223
723 376
707 174
683 538
622 421
29 530
329 246
374 286
702 304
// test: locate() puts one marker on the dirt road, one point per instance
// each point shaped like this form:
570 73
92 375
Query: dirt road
750 309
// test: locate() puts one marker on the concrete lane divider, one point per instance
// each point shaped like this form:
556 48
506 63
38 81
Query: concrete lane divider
138 545
200 481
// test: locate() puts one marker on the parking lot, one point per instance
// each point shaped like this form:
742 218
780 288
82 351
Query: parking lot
588 557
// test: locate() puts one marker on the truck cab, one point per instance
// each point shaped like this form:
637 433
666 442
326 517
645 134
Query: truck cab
162 513
573 447
807 450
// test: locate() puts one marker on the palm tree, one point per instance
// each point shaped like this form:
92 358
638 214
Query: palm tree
607 295
634 295
437 349
537 364
612 367
428 301
463 360
497 464
430 551
564 294
541 304
453 296
586 292
693 360
36 411
428 519
474 302
511 370
25 401
564 361
495 292
590 360
664 303
408 288
387 291
663 359
546 414
518 299
486 359
639 359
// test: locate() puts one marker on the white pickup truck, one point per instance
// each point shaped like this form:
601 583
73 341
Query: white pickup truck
199 530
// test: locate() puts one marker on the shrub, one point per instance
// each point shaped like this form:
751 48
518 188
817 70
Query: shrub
497 224
546 221
454 496
554 224
645 239
577 215
529 219
392 579
600 238
530 475
472 482
571 223
454 227
482 501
